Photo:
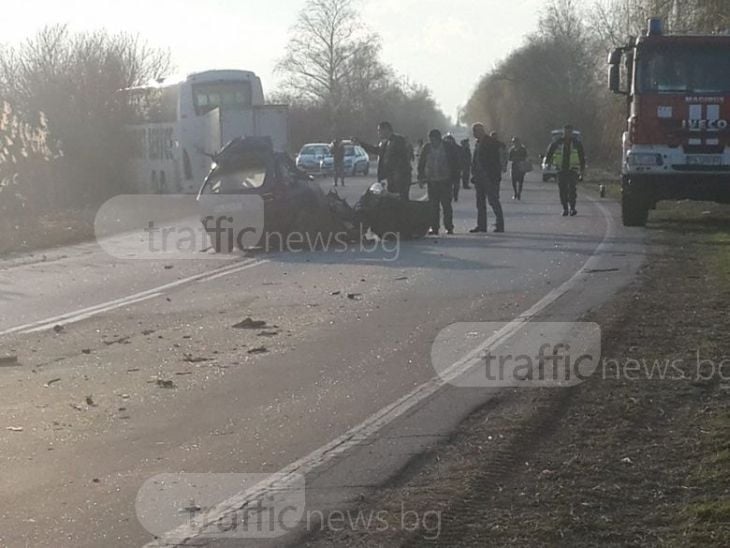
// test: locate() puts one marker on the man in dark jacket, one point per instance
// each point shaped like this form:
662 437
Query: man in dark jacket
567 154
487 168
518 158
439 166
465 164
394 160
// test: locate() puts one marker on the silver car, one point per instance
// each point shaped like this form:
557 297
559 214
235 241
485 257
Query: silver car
357 161
311 155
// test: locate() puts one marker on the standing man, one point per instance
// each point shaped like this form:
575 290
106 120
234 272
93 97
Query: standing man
439 167
465 164
567 154
453 147
486 170
337 150
394 160
518 157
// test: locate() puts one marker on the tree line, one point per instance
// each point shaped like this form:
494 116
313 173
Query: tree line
558 75
61 87
337 85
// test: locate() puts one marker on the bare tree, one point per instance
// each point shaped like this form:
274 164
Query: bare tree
73 80
327 54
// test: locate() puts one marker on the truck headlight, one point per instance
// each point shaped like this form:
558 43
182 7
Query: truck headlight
646 159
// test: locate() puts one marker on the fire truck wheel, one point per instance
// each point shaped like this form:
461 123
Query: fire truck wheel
634 207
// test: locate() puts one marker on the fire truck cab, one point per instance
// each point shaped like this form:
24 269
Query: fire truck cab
677 143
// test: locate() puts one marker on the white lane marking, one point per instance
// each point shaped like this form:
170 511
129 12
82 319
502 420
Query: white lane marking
390 413
79 317
233 271
86 313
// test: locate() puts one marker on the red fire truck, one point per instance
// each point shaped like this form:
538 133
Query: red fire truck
677 144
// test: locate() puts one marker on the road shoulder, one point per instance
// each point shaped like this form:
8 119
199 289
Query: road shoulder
638 455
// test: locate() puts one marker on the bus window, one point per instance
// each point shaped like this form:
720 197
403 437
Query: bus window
223 95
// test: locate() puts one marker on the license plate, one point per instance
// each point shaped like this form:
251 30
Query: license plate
704 160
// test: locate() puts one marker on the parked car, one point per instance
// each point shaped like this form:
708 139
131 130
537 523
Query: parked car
551 171
357 161
311 155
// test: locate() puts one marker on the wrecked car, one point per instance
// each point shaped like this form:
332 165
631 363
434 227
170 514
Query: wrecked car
255 197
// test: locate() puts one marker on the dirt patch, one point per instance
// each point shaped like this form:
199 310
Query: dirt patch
636 456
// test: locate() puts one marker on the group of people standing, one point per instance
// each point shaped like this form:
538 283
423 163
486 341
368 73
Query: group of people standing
446 167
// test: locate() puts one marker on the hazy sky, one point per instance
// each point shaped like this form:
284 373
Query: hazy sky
444 44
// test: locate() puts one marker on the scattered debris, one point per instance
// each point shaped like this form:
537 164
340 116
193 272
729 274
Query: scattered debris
86 351
602 270
77 407
269 334
15 429
260 350
52 382
189 358
183 373
90 401
148 332
119 340
166 384
250 323
169 267
627 460
134 370
401 279
9 361
58 328
336 293
354 296
96 480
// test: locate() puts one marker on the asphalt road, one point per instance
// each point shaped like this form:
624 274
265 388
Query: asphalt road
84 421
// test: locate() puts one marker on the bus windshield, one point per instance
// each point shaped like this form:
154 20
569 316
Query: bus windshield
224 95
684 70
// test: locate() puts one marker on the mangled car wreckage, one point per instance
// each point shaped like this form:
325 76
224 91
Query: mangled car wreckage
254 194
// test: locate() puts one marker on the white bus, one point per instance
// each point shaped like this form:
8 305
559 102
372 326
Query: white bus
176 126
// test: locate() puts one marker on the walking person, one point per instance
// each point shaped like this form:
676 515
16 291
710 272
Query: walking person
487 169
518 158
568 155
438 165
465 164
394 160
337 150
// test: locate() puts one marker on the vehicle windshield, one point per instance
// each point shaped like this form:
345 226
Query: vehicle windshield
315 150
227 96
349 151
686 70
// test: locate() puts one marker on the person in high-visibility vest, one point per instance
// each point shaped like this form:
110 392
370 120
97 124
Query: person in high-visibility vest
567 154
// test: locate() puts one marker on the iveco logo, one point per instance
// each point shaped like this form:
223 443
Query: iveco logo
705 125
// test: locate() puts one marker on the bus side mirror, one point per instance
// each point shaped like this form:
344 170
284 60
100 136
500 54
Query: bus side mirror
614 71
614 78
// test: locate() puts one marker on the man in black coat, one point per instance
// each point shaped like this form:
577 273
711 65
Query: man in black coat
487 169
394 160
